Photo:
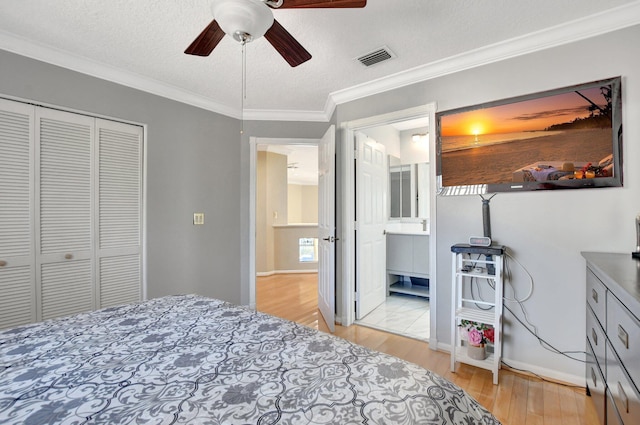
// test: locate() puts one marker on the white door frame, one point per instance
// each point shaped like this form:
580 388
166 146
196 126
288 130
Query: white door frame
253 159
347 164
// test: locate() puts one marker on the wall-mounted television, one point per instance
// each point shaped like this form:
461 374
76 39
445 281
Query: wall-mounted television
567 138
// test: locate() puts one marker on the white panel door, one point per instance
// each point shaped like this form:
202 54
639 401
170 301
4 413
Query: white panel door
17 262
371 207
119 206
64 211
327 227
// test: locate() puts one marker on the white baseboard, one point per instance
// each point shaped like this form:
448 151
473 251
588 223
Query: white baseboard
443 347
545 373
271 273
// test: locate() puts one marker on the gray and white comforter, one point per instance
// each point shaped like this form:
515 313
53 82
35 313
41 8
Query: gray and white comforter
196 360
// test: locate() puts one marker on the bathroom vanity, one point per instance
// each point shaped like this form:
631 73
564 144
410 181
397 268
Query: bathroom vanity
408 262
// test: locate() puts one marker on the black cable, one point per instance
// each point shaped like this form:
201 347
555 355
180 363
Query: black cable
475 280
478 306
540 377
544 343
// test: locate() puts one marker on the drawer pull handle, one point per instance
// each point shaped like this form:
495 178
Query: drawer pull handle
593 378
594 336
623 336
3 263
68 256
623 397
594 295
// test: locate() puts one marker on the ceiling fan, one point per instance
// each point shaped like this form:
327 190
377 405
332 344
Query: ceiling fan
247 20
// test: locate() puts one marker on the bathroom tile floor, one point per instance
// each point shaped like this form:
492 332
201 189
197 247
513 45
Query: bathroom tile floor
401 314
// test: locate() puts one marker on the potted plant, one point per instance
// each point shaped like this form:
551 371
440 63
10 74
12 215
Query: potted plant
477 335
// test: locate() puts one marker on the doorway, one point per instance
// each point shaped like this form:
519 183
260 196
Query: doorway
350 198
286 215
301 247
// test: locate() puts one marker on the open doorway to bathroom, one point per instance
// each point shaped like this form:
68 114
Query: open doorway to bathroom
397 255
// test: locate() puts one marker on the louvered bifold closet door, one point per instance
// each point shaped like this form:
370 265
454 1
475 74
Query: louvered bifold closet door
64 211
17 257
119 205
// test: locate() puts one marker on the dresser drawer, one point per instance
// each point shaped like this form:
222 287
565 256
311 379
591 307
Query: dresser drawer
623 330
596 296
595 382
596 337
624 392
613 418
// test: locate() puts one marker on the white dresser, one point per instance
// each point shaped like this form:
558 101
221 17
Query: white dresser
613 336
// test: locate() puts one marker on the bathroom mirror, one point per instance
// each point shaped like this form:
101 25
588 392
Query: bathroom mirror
408 189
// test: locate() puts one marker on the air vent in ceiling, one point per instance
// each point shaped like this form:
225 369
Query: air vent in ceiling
377 56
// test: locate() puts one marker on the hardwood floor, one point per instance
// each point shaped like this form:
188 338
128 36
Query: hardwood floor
517 400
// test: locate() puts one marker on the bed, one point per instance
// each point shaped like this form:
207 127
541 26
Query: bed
191 359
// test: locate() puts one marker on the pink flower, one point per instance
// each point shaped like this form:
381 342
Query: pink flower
475 336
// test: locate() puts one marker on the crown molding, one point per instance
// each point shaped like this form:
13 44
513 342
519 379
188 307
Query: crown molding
283 115
290 115
569 32
64 59
579 29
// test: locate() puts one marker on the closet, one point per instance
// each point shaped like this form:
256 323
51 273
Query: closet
70 213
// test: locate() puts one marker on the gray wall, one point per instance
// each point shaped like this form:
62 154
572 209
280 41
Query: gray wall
193 159
545 231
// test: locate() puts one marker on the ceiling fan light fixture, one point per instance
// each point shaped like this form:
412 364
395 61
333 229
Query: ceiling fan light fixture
244 20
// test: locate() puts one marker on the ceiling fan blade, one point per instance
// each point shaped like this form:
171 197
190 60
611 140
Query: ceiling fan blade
208 39
286 45
294 4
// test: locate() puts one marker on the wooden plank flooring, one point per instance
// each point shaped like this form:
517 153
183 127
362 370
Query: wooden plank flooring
517 400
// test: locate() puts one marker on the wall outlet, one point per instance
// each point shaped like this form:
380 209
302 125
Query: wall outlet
198 218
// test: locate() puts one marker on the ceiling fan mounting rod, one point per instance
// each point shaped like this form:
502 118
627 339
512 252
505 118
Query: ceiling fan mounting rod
274 4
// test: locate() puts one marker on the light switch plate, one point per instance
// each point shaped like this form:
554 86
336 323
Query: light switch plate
198 218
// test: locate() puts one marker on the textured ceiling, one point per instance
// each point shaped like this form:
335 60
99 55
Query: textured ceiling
145 39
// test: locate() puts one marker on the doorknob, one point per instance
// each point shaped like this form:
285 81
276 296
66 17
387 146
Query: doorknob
330 239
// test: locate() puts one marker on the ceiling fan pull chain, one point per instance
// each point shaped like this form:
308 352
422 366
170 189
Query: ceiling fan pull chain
244 70
244 84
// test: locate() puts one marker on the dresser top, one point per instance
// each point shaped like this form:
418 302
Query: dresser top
620 273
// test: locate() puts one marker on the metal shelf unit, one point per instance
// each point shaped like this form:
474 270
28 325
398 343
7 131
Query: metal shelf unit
482 265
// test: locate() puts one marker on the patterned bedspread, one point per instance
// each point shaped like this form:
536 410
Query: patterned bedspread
190 359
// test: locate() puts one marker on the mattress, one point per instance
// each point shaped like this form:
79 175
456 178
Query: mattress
196 360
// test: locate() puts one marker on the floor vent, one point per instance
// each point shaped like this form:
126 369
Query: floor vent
379 55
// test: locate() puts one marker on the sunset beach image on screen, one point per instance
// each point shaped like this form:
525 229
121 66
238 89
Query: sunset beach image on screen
556 136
